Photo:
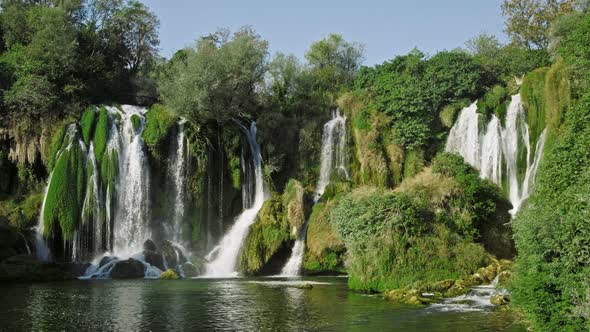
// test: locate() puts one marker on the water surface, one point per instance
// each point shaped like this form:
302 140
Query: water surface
223 305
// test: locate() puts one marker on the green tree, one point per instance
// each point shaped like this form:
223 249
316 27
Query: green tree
528 21
218 79
334 62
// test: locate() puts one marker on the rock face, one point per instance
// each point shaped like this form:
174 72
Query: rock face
172 254
190 270
149 245
500 299
128 269
11 242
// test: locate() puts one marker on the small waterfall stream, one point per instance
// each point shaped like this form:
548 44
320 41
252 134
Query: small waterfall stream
179 169
224 256
333 158
495 150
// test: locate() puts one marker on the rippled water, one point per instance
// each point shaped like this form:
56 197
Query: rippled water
238 304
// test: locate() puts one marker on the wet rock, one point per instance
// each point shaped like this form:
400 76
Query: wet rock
439 286
155 259
504 278
149 245
190 270
409 296
105 260
459 288
301 286
488 274
172 254
128 269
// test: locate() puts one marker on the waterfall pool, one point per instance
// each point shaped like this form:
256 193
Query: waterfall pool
256 304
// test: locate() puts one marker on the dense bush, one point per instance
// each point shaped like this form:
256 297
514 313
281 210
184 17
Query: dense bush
393 241
552 233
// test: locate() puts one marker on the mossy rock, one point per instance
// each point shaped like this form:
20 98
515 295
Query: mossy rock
65 193
87 122
128 269
135 122
169 274
159 124
267 236
325 250
500 299
408 296
101 134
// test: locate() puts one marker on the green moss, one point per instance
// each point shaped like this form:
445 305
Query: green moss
361 120
533 98
325 250
236 172
135 122
495 101
65 193
56 144
265 238
87 122
159 123
101 134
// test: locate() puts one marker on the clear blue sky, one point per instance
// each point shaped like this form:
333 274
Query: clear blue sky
386 28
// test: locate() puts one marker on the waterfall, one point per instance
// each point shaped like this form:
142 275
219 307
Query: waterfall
131 227
179 175
225 255
496 149
332 158
41 249
92 221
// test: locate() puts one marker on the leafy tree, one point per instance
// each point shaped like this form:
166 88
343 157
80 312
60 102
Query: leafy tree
334 62
218 79
528 21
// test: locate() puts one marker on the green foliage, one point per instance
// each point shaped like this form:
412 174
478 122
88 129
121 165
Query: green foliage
495 101
551 233
334 62
217 79
101 134
575 50
411 90
236 172
533 95
393 241
527 22
87 123
413 162
159 123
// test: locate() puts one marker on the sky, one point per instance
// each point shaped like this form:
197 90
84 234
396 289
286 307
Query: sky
385 28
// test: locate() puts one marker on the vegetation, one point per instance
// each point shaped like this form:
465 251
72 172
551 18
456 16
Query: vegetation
159 122
551 284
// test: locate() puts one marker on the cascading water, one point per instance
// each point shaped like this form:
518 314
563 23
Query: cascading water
41 249
497 150
224 256
179 175
333 158
132 215
92 222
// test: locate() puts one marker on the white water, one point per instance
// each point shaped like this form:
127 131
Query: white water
478 299
91 209
131 227
333 157
224 256
497 148
179 175
41 249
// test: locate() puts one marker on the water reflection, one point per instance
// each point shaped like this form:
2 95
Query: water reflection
222 305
